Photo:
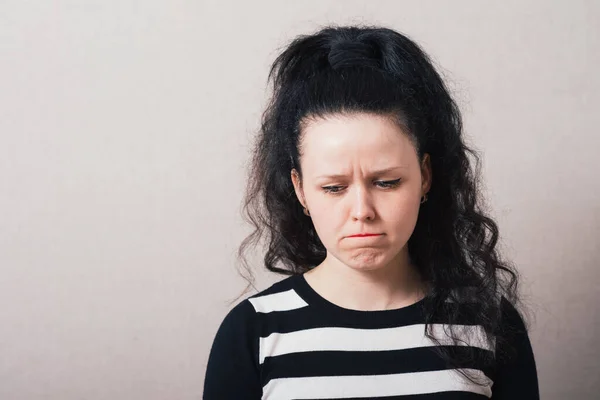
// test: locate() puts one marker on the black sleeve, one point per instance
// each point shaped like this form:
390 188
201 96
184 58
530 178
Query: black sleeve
232 371
516 374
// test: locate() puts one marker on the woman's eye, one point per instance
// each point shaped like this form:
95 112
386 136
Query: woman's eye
381 184
388 184
332 189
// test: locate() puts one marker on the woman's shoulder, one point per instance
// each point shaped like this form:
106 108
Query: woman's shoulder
274 297
511 317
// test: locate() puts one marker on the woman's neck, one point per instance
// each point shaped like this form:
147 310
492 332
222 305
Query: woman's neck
394 286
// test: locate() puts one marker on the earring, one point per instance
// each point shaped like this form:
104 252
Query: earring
424 199
306 212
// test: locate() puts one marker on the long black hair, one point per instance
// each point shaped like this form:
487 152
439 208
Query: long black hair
377 70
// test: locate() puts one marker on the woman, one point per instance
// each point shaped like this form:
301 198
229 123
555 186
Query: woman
362 190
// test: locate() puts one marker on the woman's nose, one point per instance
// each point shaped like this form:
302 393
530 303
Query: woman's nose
362 207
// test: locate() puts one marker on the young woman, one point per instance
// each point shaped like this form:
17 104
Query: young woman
362 190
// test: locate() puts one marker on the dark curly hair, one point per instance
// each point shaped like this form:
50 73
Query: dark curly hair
376 70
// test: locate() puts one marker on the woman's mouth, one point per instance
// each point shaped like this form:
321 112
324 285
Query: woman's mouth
365 235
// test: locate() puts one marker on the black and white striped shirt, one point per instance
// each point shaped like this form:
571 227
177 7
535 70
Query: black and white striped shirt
288 342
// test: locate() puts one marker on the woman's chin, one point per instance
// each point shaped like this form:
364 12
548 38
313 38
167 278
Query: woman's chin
367 259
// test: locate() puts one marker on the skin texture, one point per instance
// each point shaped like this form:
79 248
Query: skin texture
373 273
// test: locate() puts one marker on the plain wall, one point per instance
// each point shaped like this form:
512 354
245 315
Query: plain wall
124 136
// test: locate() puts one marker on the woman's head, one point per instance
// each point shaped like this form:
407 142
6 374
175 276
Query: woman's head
382 85
360 173
349 101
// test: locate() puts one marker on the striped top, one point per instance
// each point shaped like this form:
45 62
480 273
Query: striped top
288 342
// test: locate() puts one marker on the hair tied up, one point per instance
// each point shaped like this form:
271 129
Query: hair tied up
348 53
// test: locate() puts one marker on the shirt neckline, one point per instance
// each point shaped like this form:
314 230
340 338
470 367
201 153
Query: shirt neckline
313 298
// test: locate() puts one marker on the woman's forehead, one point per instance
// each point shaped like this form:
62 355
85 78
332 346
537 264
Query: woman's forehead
337 130
371 140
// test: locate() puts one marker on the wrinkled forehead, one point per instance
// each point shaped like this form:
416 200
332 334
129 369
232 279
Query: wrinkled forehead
369 142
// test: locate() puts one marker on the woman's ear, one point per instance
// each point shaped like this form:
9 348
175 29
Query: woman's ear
426 174
297 182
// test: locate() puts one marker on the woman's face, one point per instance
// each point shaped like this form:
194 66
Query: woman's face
361 174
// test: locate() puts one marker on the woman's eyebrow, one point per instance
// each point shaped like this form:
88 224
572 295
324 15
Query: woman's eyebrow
377 172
